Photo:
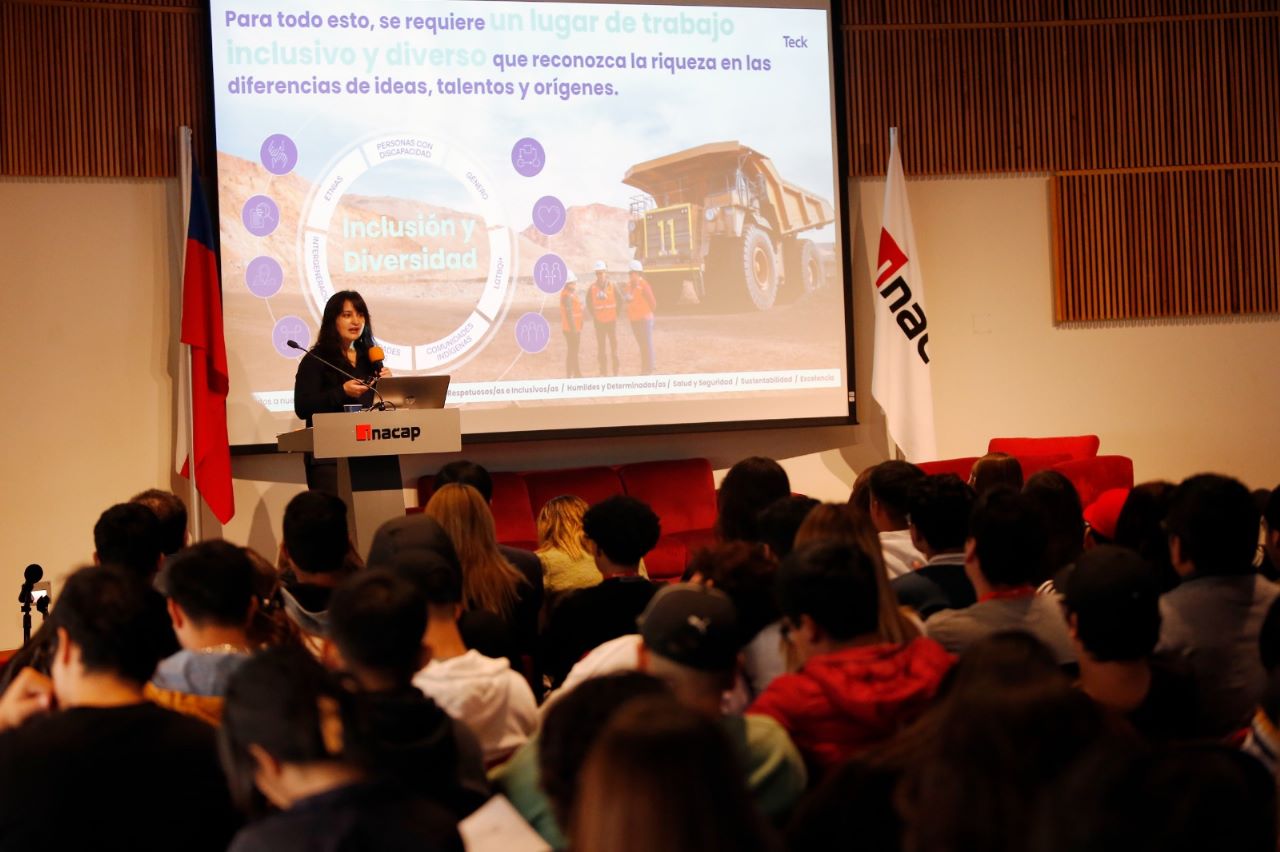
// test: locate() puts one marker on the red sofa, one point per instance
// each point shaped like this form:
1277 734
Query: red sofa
682 492
1075 457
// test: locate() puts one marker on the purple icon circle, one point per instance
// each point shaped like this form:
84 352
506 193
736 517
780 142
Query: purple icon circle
290 328
528 157
548 215
260 215
264 276
279 154
533 333
550 273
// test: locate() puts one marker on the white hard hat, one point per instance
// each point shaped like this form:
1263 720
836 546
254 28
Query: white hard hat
600 266
569 277
637 266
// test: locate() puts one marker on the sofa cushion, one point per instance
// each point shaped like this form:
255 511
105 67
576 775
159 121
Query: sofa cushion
960 467
513 519
682 492
1093 476
592 484
1077 447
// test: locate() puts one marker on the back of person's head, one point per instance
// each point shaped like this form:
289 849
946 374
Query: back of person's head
998 661
105 613
560 525
418 531
465 472
1140 527
623 528
860 494
749 486
1214 523
316 533
1184 798
890 484
1112 599
834 584
437 579
695 628
1008 538
489 581
270 624
128 536
993 470
746 573
830 522
777 523
284 702
938 508
663 776
172 514
376 621
1056 500
572 725
1271 511
212 581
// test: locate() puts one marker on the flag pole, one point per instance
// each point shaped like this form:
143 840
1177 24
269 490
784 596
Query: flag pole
891 446
193 493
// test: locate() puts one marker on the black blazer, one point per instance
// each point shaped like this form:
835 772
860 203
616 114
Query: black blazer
317 388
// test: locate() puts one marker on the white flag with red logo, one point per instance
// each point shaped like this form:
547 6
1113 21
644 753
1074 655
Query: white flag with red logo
900 379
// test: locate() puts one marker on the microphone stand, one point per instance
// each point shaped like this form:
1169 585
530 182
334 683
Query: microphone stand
381 404
24 598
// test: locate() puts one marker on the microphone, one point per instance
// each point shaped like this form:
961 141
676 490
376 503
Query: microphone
30 577
307 353
376 357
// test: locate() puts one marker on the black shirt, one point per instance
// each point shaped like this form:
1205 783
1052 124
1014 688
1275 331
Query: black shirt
317 387
137 777
933 588
587 618
354 818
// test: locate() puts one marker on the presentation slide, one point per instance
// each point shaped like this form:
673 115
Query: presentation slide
589 215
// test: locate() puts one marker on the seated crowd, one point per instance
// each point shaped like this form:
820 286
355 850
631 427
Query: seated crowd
935 665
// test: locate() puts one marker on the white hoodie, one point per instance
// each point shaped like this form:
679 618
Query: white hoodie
487 696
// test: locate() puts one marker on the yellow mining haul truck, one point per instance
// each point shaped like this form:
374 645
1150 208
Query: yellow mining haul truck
719 219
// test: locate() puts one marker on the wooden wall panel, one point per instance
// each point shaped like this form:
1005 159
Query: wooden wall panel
99 89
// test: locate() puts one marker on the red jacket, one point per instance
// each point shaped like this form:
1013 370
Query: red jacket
841 703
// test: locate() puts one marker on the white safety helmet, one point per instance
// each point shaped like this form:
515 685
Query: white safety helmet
637 266
600 266
570 277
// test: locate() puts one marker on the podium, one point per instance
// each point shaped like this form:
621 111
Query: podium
368 446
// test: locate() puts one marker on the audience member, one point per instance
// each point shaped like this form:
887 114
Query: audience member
566 564
490 582
1002 559
1058 504
619 531
469 473
995 470
86 762
662 776
747 573
1140 528
290 734
993 750
411 532
171 512
377 623
1213 619
852 689
1112 602
839 522
860 493
128 536
269 624
747 488
778 522
890 484
1271 531
211 604
313 556
485 693
938 509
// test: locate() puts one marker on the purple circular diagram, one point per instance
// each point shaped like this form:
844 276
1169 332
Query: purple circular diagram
290 328
263 276
279 154
528 157
550 273
548 215
533 333
260 215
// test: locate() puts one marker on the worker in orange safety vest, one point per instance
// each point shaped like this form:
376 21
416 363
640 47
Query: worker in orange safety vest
602 305
571 323
640 307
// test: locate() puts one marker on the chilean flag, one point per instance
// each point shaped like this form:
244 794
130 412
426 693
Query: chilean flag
202 331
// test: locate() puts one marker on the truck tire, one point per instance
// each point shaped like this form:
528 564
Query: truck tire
803 267
759 267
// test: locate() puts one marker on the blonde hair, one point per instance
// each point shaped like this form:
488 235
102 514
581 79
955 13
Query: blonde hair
489 581
560 526
845 524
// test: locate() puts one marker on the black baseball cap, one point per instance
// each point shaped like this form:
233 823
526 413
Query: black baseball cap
1110 582
695 626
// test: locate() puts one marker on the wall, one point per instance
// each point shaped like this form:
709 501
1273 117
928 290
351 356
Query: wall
88 268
